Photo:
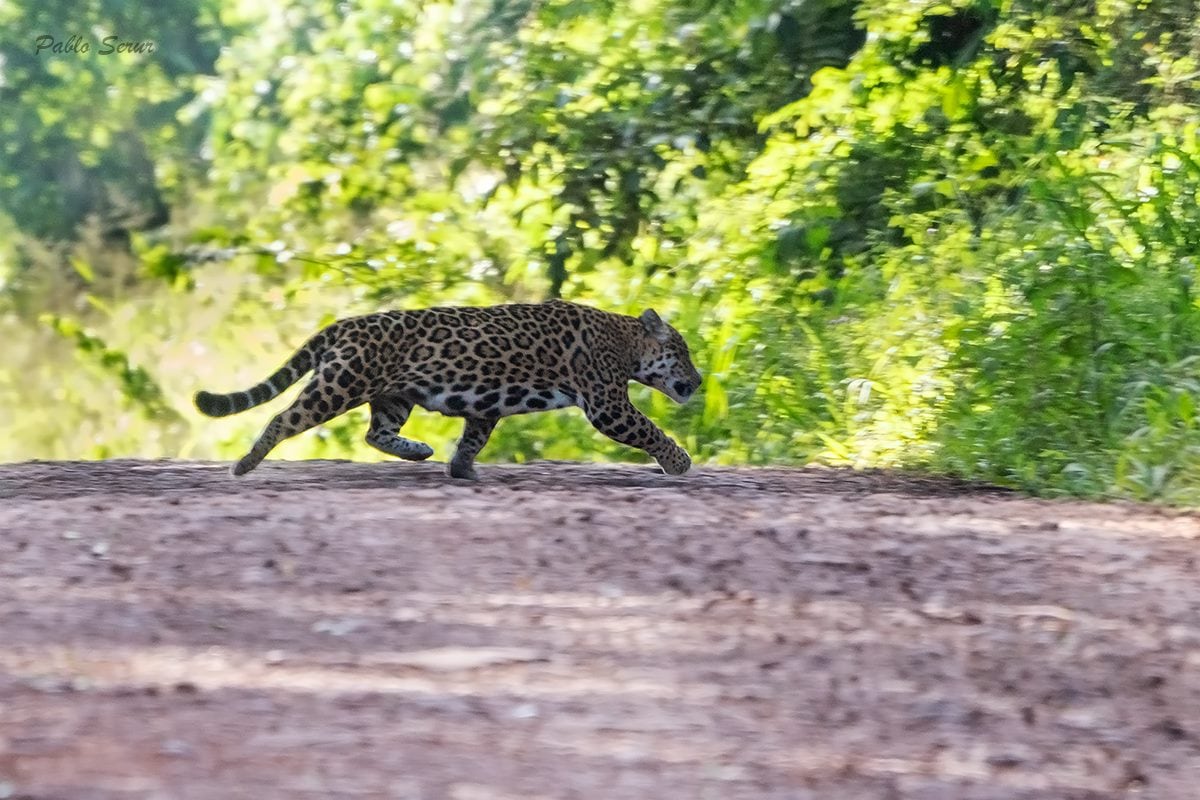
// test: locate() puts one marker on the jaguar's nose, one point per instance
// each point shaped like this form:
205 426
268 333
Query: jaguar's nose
685 389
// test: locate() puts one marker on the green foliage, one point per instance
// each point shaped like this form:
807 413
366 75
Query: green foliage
93 135
959 236
135 384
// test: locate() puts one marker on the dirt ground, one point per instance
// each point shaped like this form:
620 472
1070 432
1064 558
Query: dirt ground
339 630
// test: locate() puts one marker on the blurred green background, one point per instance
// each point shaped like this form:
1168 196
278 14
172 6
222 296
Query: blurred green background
960 237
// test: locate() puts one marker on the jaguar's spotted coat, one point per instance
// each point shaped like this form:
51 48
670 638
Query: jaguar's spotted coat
481 364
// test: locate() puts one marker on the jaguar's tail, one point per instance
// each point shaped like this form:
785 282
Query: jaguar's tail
222 405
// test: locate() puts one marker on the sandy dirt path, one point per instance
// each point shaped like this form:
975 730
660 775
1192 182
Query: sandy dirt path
339 630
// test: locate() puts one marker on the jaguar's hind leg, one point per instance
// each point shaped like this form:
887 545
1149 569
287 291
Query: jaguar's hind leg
313 407
475 436
388 415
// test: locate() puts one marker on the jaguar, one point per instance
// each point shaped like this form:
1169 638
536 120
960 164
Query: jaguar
479 363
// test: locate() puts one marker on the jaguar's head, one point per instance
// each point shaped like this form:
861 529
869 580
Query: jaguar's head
663 359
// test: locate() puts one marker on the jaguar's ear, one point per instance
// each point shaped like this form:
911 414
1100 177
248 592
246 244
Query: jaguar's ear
654 325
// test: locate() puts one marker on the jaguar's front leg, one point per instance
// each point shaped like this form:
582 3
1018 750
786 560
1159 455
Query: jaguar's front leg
475 435
619 420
